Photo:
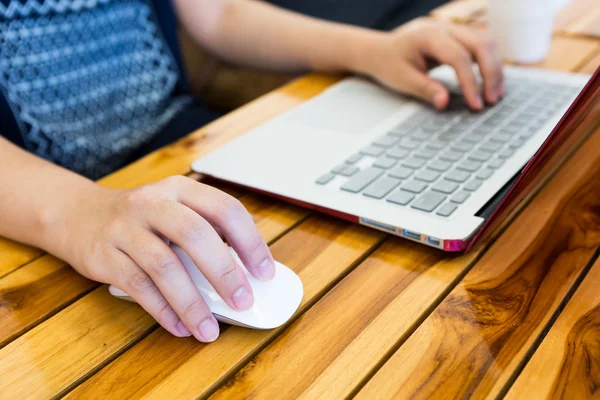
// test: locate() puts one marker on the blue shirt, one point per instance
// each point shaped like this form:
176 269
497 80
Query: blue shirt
86 83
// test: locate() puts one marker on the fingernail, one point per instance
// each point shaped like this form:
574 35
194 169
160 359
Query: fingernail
208 329
266 269
438 99
242 299
478 103
183 331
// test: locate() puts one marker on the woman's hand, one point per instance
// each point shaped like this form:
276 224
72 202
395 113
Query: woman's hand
118 237
401 59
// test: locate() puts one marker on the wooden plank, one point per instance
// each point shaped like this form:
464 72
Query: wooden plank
175 159
98 327
592 65
572 12
476 339
343 337
566 363
460 10
39 290
322 250
14 255
588 24
567 54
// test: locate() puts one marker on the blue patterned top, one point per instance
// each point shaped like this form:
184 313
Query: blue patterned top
84 83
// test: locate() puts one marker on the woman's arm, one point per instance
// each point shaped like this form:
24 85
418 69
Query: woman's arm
258 34
118 236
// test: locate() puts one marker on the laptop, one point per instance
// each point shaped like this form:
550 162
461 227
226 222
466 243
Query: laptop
446 179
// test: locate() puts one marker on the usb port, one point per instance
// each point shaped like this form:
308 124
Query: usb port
411 235
434 242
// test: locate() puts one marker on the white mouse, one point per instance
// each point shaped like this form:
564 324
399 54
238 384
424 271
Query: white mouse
275 301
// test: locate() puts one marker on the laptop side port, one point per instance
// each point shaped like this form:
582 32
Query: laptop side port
378 225
434 242
411 235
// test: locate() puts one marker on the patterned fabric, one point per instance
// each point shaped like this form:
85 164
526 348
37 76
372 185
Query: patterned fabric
88 81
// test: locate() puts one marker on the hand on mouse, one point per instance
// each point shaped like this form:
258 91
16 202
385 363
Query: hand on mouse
118 237
400 60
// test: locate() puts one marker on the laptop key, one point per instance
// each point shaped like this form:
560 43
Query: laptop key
325 179
506 153
480 155
372 151
354 159
496 163
457 176
414 187
473 185
414 162
381 187
427 175
500 137
462 147
385 162
436 145
484 173
428 201
447 209
401 172
491 147
397 152
421 135
517 144
409 144
362 179
345 170
424 153
445 186
385 141
469 165
401 197
460 197
439 165
451 156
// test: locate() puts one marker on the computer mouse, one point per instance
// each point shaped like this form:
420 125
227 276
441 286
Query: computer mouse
275 301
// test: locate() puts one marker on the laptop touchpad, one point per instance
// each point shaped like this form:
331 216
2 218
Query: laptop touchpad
351 107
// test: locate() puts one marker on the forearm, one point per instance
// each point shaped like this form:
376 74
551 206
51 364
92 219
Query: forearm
258 34
32 194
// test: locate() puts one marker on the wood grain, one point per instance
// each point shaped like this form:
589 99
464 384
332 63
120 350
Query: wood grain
587 25
176 158
116 322
591 65
475 340
342 338
460 10
45 286
14 255
321 251
566 364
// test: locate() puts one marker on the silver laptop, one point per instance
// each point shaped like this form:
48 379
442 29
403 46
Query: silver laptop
366 154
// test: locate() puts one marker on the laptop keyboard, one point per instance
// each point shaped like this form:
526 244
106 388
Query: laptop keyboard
435 160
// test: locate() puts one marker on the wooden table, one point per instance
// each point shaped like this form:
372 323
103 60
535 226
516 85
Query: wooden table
381 316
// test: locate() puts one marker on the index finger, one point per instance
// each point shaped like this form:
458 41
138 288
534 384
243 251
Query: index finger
441 46
488 58
230 217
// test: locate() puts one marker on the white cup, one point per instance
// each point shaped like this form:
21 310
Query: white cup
523 28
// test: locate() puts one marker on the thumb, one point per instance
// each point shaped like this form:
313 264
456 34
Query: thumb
419 84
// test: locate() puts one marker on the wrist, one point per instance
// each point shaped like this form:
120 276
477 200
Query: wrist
363 51
56 218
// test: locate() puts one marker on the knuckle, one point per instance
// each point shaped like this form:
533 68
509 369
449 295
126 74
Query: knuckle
230 208
140 282
196 307
164 311
175 180
228 273
194 230
163 264
138 197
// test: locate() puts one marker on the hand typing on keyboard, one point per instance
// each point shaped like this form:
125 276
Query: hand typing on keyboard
400 60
